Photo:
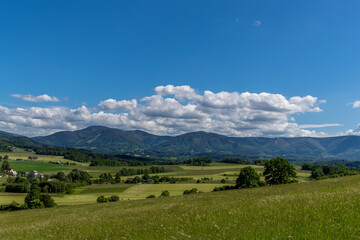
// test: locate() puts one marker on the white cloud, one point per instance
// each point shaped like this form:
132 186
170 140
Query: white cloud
112 104
40 98
180 92
356 104
257 23
174 110
320 125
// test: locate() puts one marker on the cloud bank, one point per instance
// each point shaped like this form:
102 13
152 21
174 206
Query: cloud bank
172 110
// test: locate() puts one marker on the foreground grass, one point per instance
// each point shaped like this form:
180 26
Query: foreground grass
327 209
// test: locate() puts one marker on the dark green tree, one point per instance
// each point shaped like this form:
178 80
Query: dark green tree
5 165
113 198
248 178
32 198
279 171
102 199
117 178
317 172
30 177
165 193
47 200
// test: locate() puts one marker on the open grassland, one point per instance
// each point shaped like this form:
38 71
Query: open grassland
326 209
89 194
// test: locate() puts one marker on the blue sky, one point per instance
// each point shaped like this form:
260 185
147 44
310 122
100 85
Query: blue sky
86 52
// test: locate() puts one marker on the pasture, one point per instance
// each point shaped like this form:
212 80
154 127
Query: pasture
204 178
326 209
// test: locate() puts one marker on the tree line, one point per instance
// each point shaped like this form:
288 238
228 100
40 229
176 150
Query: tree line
276 171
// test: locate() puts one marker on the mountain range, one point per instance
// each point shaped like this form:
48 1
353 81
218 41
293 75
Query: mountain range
116 141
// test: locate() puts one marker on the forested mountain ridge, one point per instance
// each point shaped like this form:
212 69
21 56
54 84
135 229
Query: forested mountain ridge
115 141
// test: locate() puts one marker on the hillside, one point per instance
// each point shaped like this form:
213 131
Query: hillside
96 138
325 209
8 140
115 141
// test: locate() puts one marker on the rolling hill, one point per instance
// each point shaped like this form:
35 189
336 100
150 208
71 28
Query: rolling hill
326 209
115 141
8 140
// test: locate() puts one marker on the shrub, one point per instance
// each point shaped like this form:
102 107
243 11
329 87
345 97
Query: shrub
101 199
151 196
47 200
165 193
113 198
192 191
11 207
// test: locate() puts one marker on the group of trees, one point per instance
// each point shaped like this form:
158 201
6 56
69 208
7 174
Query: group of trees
156 179
201 161
236 161
192 191
95 159
33 199
140 171
60 183
276 171
102 199
320 171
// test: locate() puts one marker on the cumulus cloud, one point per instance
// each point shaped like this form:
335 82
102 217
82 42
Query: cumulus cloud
356 104
112 104
179 92
320 125
40 98
174 110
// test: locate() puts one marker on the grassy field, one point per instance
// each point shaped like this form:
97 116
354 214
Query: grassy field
326 209
89 194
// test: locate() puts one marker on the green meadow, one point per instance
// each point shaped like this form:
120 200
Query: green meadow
326 209
209 177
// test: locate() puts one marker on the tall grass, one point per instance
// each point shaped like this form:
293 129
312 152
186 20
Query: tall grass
327 209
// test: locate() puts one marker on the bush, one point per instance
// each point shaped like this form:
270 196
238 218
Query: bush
47 200
151 196
192 191
11 207
113 198
101 199
165 193
223 188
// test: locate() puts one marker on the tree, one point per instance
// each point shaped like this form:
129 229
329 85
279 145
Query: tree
165 193
192 191
30 177
47 200
32 198
5 165
6 157
317 172
279 171
102 199
248 178
117 178
113 198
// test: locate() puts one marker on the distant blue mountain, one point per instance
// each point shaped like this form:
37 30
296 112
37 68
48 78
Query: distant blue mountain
115 141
